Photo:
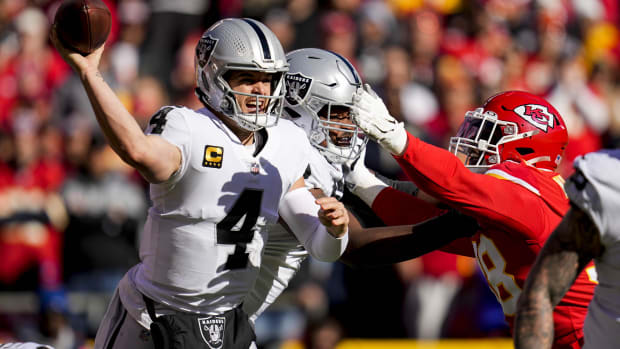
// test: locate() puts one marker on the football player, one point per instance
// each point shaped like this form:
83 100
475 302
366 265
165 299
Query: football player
590 230
500 170
218 176
319 93
320 87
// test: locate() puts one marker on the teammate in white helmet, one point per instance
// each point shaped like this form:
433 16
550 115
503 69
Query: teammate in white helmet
319 92
320 87
218 176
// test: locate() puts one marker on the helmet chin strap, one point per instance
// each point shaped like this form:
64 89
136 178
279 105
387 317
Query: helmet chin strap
201 96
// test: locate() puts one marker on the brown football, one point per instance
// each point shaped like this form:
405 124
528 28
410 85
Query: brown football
83 25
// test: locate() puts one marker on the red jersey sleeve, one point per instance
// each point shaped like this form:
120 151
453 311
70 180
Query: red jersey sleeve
490 200
397 208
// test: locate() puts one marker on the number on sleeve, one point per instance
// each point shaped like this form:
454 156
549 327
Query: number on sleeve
248 204
159 120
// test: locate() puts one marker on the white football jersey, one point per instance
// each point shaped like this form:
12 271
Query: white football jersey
201 246
597 193
283 253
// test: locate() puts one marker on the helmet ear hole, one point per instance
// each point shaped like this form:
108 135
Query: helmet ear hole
525 151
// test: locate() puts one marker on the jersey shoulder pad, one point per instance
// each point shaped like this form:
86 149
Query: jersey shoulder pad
516 173
166 115
595 189
287 126
293 134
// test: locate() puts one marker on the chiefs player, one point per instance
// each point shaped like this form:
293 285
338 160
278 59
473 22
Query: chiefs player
500 170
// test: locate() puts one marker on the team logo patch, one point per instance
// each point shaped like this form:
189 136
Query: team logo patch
537 115
255 169
297 87
212 330
204 49
213 156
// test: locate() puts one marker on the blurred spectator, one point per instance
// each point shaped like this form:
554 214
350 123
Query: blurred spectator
306 20
32 216
184 76
323 334
169 24
30 70
281 24
425 36
106 211
148 95
377 31
585 113
435 280
339 34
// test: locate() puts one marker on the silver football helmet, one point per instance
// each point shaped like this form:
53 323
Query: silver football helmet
317 81
240 44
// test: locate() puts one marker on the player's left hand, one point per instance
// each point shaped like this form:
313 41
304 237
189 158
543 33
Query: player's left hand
333 216
371 115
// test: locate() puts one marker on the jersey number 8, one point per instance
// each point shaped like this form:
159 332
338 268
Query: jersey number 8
493 265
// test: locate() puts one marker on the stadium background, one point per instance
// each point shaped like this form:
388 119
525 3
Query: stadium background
71 211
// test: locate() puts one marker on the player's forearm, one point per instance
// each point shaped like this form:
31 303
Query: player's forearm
118 125
386 245
534 320
555 270
547 282
299 212
395 208
432 169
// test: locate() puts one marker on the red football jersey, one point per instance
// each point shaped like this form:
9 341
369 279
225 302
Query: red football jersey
517 207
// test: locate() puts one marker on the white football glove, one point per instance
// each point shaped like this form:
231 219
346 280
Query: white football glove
360 181
371 115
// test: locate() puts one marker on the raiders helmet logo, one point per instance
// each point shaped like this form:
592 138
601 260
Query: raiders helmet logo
537 115
204 49
212 330
297 87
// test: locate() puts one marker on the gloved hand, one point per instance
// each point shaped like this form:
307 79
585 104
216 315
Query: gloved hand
371 115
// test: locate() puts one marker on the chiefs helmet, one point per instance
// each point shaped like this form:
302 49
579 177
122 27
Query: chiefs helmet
319 82
512 125
240 44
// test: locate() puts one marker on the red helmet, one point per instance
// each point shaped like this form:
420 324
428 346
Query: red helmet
513 125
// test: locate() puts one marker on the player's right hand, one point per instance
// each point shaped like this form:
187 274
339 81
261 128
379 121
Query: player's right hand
79 63
333 216
371 115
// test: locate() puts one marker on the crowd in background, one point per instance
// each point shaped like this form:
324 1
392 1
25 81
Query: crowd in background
71 210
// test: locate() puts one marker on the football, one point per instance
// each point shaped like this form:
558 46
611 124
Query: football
83 25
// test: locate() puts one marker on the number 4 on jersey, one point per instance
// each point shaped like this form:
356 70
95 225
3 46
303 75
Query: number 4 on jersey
248 204
158 121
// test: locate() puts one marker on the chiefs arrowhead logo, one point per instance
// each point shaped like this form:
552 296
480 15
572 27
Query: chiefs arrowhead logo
297 87
537 115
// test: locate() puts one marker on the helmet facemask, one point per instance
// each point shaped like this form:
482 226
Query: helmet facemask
268 110
480 136
350 140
